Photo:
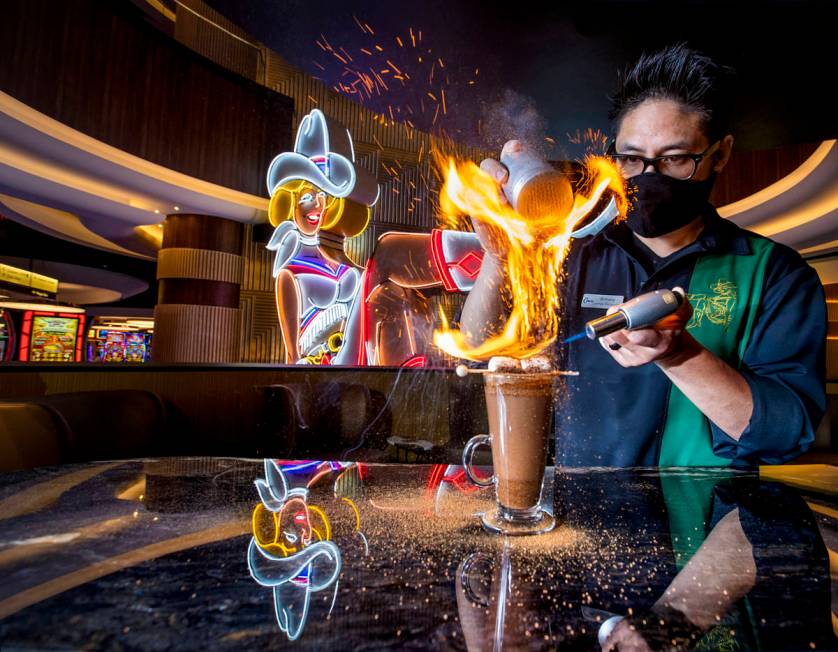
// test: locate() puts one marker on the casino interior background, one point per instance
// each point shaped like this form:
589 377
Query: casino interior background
134 140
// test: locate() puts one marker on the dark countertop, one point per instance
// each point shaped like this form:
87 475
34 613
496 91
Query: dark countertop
158 555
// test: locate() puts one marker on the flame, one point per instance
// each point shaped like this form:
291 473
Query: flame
535 250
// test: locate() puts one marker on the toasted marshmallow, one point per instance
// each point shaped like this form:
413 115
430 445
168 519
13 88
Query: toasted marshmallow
537 364
502 363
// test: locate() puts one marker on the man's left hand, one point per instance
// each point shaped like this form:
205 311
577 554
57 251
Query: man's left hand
625 638
664 343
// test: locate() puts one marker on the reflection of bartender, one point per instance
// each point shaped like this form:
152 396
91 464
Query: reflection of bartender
761 546
715 562
736 376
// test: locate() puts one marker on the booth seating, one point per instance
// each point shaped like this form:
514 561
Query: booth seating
30 435
80 427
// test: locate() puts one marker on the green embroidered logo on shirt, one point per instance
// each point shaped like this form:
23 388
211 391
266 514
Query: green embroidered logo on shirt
716 308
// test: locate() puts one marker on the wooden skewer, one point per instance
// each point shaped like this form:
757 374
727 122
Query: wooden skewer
462 371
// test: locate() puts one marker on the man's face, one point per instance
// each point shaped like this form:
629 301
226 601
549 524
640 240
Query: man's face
661 127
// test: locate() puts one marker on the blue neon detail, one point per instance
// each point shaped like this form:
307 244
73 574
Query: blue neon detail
304 466
309 315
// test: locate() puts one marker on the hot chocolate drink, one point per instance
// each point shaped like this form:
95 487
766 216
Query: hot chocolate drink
519 406
519 399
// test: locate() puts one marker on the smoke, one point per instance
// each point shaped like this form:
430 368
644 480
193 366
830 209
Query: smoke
513 116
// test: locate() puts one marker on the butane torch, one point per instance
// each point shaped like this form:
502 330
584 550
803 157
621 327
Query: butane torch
640 312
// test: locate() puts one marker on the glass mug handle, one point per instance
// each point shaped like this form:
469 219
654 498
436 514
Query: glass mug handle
468 453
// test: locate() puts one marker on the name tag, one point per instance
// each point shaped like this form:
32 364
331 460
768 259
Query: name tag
603 301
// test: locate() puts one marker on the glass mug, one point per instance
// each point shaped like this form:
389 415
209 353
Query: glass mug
520 408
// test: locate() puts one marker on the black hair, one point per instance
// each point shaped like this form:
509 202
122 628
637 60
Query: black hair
681 74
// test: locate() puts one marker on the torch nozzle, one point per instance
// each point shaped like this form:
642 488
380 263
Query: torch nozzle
640 312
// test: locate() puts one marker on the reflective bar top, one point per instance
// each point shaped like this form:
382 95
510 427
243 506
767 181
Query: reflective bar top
220 553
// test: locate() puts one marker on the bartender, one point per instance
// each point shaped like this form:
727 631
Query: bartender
736 376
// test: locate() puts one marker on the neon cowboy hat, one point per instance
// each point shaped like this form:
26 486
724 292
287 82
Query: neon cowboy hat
324 155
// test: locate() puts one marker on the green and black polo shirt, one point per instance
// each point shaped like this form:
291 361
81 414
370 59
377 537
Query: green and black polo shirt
756 304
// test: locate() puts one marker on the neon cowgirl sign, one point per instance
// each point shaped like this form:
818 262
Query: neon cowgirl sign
292 551
330 311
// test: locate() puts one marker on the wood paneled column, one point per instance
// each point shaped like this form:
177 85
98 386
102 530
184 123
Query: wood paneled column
200 269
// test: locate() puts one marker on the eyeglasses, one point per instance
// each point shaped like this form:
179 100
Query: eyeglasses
678 166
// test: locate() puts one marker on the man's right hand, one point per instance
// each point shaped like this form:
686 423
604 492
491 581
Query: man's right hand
497 170
487 305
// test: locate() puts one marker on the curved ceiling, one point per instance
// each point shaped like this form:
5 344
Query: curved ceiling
59 224
80 285
799 210
109 191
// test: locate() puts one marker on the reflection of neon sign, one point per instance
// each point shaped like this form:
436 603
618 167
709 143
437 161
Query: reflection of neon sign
304 466
291 550
452 475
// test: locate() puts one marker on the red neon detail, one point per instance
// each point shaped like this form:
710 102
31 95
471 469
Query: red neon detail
362 470
365 289
319 475
79 337
469 264
416 361
439 262
25 332
302 269
460 474
435 478
461 482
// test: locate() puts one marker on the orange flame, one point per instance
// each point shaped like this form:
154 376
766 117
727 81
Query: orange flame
535 250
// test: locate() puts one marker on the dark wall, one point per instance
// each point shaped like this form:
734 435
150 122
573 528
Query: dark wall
99 68
565 56
749 171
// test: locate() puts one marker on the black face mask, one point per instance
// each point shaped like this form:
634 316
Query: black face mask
662 204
